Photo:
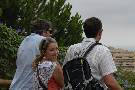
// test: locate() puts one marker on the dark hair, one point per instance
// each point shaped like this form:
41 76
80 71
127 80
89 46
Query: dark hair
92 26
42 47
39 26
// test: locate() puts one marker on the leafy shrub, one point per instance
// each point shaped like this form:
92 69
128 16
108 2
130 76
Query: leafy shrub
126 78
62 53
9 42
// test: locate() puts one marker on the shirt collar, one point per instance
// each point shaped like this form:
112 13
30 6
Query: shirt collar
89 40
33 34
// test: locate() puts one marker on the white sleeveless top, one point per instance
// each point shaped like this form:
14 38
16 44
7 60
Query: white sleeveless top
46 70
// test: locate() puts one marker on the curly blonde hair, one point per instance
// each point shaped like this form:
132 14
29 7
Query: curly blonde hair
42 47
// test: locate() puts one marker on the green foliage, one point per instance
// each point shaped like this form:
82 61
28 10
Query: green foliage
62 53
9 42
20 13
10 10
0 11
74 31
29 10
123 75
69 28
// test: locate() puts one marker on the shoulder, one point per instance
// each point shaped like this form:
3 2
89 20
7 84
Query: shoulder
58 67
73 47
102 48
39 37
58 70
47 64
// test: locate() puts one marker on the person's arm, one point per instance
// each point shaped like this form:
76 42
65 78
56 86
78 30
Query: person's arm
107 68
5 83
111 82
58 75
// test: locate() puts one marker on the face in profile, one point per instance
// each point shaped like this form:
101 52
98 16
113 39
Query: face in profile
52 52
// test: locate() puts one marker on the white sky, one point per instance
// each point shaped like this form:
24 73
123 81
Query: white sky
117 16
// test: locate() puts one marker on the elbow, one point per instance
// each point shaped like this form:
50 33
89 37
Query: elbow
111 82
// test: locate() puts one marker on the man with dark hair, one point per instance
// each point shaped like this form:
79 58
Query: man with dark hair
27 52
42 27
100 59
91 27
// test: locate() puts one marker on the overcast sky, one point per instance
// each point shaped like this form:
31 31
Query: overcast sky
117 16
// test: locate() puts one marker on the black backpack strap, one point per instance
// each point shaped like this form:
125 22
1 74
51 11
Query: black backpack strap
92 82
40 82
90 48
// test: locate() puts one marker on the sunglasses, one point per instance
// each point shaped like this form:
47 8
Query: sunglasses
50 30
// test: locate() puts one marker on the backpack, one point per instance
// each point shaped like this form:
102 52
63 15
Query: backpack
77 74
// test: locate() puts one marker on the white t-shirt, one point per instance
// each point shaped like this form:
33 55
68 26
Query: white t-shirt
100 58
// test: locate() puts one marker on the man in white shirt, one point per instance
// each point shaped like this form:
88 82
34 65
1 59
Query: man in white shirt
100 58
27 52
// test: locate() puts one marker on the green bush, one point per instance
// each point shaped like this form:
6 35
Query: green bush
124 76
62 53
9 42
